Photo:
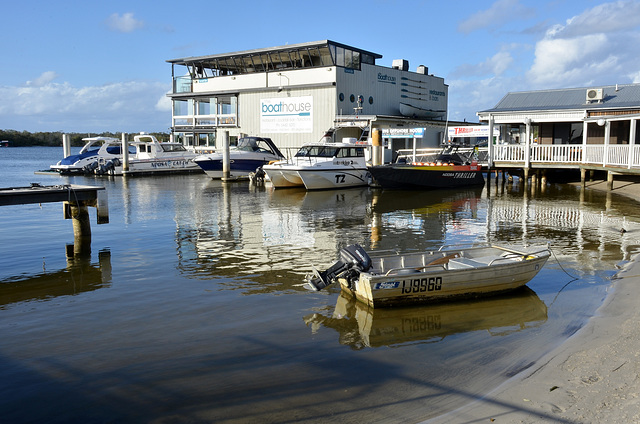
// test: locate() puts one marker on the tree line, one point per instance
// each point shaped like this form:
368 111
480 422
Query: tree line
25 138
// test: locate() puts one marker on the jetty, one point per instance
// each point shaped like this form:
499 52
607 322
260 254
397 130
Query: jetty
76 201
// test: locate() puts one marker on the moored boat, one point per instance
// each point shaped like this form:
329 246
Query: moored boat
449 169
154 157
385 279
322 165
249 154
95 150
145 155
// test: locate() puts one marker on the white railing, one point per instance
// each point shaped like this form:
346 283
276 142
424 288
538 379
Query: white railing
573 154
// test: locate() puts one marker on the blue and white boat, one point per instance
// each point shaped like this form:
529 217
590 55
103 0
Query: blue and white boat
146 155
249 154
96 149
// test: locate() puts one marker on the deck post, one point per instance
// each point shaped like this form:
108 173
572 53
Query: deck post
66 145
490 143
585 128
607 140
583 177
609 180
125 154
226 168
376 149
632 142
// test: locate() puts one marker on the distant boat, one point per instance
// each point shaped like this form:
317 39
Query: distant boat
95 149
417 112
390 279
146 155
248 155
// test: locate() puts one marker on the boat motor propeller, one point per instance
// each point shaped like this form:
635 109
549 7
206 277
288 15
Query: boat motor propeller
353 260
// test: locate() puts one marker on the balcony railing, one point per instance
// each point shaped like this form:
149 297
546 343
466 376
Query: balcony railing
571 154
619 155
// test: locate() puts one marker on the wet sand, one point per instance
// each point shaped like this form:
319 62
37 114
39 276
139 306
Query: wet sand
593 377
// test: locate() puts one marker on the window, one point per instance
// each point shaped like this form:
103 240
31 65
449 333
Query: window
181 107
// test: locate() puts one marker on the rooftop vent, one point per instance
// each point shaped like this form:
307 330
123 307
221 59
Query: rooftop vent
401 64
594 94
423 70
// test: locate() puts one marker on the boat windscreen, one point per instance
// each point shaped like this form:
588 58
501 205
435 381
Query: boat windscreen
317 151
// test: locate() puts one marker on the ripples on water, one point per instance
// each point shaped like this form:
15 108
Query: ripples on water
190 305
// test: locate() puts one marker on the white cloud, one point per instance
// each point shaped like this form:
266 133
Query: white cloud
495 65
124 23
562 62
44 79
129 106
500 12
595 47
617 16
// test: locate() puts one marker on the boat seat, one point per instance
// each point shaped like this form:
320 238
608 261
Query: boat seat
462 263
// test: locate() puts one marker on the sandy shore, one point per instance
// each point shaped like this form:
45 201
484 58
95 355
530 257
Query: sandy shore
594 377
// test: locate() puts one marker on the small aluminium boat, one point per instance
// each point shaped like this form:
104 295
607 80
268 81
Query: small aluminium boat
449 169
248 155
381 280
322 165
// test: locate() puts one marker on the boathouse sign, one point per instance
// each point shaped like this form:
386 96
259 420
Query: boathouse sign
286 115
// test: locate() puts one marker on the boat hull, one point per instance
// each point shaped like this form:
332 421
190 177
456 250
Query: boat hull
283 176
426 176
322 179
159 166
238 168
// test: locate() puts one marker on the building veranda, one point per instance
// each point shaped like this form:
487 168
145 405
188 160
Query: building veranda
591 129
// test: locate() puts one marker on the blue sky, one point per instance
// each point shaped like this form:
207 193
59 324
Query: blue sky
89 67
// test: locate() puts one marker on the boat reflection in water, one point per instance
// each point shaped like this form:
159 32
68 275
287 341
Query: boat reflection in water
361 326
79 276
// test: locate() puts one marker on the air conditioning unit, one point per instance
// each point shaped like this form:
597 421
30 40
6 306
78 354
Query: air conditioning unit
594 94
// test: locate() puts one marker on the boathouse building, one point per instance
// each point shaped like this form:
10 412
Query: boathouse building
591 129
294 93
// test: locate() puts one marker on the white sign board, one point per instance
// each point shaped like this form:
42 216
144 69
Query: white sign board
472 131
286 115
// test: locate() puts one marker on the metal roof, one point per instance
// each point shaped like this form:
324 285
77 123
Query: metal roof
288 47
618 96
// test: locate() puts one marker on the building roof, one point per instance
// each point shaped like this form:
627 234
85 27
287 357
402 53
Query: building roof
254 52
619 96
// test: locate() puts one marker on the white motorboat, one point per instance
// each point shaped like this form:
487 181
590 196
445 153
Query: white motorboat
322 165
146 155
95 149
248 155
154 157
432 276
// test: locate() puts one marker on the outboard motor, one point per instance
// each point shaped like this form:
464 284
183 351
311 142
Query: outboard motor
88 169
353 261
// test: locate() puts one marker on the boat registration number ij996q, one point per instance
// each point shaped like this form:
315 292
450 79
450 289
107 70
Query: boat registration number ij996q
414 285
421 285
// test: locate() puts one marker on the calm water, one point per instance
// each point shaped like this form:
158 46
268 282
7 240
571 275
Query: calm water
190 308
